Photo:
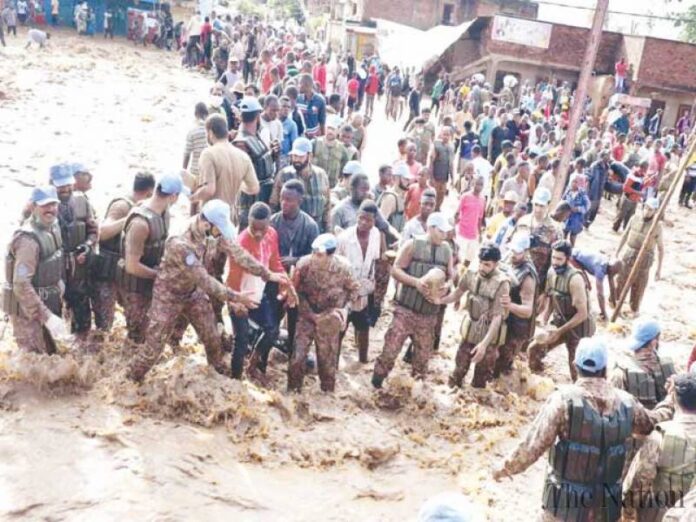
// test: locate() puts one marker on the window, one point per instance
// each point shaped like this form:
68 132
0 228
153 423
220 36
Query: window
447 13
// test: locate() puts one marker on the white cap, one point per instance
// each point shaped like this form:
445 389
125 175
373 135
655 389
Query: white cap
511 195
440 221
519 243
401 169
542 196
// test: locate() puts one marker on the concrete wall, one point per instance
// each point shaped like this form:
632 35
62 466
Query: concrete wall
422 14
672 102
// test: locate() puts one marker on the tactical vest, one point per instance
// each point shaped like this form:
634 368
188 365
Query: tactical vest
562 301
676 469
648 388
49 270
518 326
75 232
110 250
479 302
329 158
397 218
425 256
152 254
260 156
585 469
637 233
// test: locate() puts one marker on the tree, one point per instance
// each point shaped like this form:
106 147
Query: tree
687 22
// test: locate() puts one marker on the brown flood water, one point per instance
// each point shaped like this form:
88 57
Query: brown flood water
79 442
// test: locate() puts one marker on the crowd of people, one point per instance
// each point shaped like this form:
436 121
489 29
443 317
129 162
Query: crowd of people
287 232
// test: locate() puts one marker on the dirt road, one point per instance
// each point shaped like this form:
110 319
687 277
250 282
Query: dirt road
79 442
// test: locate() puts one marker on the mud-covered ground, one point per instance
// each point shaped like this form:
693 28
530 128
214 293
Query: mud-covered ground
79 442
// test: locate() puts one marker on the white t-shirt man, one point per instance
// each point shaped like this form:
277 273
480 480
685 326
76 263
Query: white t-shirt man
270 131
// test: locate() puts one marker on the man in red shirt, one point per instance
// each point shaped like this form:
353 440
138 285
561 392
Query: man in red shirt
412 201
261 241
632 194
265 71
353 87
620 70
619 149
656 165
371 90
319 74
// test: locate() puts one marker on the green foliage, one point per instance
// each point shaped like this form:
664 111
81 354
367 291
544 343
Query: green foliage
249 8
687 22
287 9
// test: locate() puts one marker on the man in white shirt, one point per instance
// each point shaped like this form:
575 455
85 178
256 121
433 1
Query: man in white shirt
271 129
482 168
193 30
38 37
417 226
362 245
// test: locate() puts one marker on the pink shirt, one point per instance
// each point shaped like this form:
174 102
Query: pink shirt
471 211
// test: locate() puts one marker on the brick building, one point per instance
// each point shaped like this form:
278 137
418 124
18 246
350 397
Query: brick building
663 70
424 14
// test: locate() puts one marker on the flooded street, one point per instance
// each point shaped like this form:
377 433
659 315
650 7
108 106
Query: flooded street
80 442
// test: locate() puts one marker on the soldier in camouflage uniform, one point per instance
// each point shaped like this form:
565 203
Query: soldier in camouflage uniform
317 195
415 311
329 153
183 287
569 301
142 246
104 267
391 201
79 231
640 370
520 304
664 468
325 286
484 328
587 418
33 276
635 235
543 233
422 133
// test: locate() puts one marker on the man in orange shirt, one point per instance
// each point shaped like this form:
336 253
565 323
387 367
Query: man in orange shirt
261 241
412 200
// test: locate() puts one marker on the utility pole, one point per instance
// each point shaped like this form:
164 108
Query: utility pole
580 95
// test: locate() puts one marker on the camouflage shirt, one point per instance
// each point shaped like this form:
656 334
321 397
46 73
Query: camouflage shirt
542 234
322 288
553 420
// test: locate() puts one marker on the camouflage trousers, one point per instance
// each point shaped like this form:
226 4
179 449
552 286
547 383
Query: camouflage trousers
514 344
104 297
30 336
325 331
483 372
440 192
135 309
77 309
382 273
165 310
537 351
624 213
407 323
640 281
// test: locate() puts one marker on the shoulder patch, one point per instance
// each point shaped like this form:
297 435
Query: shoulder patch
22 270
190 259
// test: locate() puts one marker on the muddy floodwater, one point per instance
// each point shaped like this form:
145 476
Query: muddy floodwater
80 442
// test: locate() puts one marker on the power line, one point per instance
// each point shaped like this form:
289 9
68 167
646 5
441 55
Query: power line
622 13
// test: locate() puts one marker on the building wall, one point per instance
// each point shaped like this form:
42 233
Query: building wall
672 102
668 63
422 14
566 47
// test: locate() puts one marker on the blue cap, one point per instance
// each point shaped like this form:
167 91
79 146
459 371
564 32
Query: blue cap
172 184
352 167
44 195
591 354
301 147
61 175
542 196
447 507
79 167
644 331
218 213
250 104
324 242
